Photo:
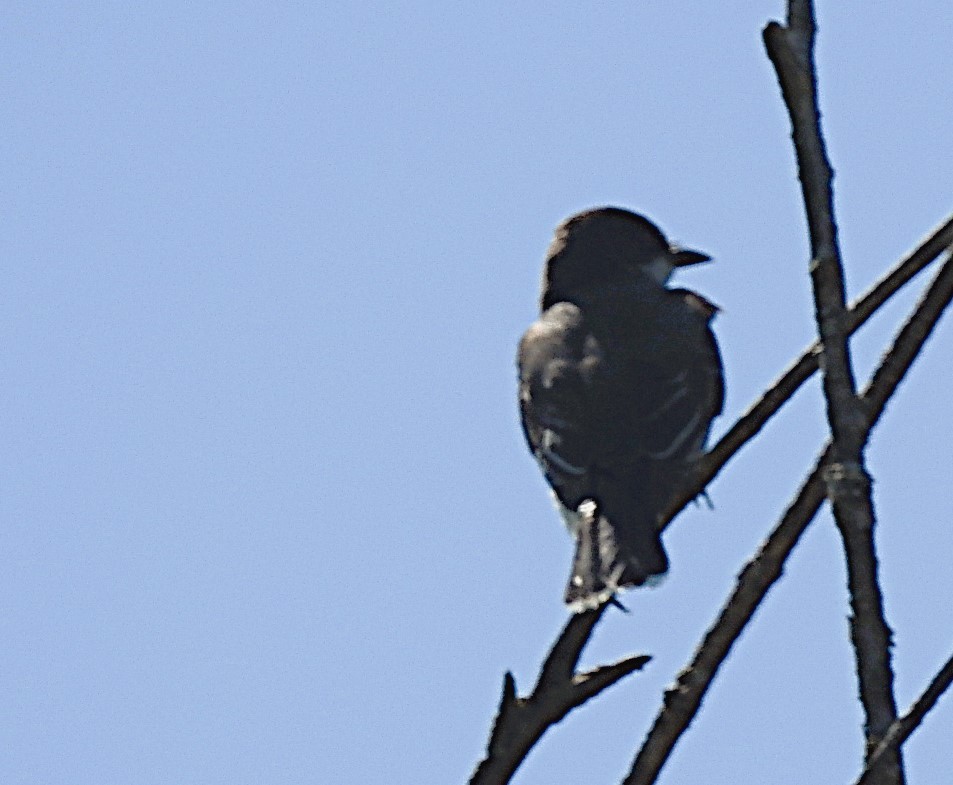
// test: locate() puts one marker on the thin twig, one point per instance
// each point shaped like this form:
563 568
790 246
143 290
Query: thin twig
683 701
521 722
791 51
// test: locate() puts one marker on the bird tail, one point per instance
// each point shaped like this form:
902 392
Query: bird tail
612 553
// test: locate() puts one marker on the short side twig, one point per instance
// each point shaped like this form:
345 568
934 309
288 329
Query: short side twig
521 722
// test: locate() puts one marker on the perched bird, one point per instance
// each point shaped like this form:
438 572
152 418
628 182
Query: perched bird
619 381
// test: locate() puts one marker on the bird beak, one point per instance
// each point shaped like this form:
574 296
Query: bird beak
682 257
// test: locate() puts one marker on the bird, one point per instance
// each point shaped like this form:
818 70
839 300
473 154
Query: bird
620 379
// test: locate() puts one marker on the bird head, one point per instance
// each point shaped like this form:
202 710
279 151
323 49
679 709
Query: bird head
607 243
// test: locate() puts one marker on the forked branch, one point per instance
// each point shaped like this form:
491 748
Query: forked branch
521 722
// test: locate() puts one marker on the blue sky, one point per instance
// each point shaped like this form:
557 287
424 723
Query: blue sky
266 512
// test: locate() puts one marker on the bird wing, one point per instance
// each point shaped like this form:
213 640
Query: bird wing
559 363
677 402
682 388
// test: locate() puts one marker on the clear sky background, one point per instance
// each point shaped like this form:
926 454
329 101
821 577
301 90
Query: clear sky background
267 515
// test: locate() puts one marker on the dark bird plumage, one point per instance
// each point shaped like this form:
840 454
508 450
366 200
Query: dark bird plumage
619 380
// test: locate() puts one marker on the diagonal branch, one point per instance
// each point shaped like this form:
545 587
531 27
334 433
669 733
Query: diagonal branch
521 722
683 701
754 419
791 50
900 731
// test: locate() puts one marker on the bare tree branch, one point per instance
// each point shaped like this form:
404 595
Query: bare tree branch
779 393
683 701
791 51
521 722
901 729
